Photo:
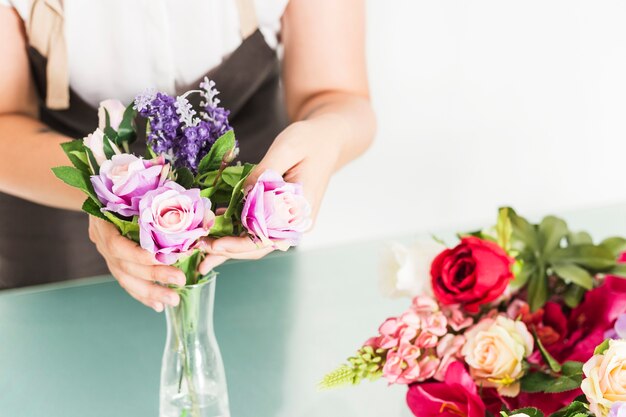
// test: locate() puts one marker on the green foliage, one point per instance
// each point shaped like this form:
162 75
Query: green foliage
550 250
93 208
601 348
578 408
128 228
529 411
554 365
75 178
189 266
366 364
184 177
213 160
126 131
569 377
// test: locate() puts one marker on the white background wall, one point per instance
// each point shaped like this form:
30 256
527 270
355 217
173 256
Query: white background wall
484 103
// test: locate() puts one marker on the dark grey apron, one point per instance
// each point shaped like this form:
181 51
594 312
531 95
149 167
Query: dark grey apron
40 244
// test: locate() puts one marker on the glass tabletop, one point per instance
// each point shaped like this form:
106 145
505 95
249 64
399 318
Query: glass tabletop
86 348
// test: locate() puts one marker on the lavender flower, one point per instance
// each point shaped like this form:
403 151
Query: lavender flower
175 131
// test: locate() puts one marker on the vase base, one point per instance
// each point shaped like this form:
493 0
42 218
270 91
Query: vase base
206 405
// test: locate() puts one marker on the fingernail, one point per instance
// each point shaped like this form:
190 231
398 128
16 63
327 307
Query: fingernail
218 248
171 299
158 307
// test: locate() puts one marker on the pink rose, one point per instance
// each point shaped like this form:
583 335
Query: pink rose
125 179
276 211
115 108
456 396
172 219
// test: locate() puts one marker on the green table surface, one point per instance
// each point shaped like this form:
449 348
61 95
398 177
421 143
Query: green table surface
87 349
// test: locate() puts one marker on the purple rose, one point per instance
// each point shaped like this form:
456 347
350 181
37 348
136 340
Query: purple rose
172 219
124 179
276 211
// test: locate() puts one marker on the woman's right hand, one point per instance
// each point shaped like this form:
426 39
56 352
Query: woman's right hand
136 269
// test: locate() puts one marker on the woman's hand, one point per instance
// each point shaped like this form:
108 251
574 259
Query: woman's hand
136 269
327 94
300 157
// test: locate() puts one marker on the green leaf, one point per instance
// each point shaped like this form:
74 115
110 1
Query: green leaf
207 192
535 382
601 348
223 226
564 383
523 230
577 408
615 244
619 270
573 295
525 272
126 131
75 151
549 359
75 178
572 273
108 130
93 164
572 368
504 229
107 147
595 258
189 266
91 207
529 411
538 292
552 230
213 160
184 177
127 228
577 238
237 193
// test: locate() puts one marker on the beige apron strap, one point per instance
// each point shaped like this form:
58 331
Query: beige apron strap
46 34
247 17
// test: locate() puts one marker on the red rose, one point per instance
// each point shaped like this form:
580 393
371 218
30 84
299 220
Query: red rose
472 274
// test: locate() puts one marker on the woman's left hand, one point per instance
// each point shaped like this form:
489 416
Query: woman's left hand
300 157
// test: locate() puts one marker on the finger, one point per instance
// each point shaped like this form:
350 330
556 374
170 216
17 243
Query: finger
147 292
210 262
230 245
155 273
109 240
280 157
125 249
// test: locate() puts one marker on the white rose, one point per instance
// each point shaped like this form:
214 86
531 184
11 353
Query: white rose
115 108
406 270
519 415
605 378
95 142
495 351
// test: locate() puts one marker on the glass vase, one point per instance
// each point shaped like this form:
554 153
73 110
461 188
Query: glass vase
193 383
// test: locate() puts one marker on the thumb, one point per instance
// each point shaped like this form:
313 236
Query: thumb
279 158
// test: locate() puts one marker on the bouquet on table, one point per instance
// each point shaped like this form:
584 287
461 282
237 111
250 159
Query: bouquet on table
518 320
186 185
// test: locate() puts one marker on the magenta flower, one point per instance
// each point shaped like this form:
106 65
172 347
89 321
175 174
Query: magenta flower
456 396
171 221
276 211
125 179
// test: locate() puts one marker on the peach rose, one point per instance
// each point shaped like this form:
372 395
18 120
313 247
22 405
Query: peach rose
495 352
605 378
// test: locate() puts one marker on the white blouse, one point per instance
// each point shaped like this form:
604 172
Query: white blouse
118 48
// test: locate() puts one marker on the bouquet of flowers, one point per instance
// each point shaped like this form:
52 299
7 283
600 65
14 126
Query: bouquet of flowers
516 320
166 199
185 185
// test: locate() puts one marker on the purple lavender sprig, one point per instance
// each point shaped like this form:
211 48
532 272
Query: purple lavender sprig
177 131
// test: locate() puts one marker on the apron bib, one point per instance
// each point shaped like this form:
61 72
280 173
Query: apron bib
39 244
